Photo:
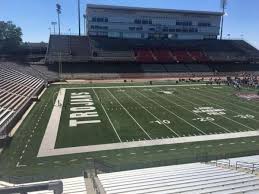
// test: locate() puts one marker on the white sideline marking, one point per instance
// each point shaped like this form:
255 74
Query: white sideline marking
108 117
147 86
50 136
154 142
152 114
129 114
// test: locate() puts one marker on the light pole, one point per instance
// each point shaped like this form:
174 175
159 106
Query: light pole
54 26
85 24
79 18
223 5
58 6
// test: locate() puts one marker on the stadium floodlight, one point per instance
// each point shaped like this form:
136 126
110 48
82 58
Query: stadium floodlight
54 26
223 5
58 6
84 24
79 18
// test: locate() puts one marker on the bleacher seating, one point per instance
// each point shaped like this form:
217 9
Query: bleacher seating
182 56
152 68
199 56
163 55
84 49
145 56
16 90
115 56
198 68
174 68
187 178
68 48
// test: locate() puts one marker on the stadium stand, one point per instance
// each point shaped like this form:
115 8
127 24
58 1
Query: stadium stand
68 48
182 56
145 56
84 49
163 56
175 68
17 90
186 178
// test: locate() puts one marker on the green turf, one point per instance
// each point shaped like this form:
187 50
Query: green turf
147 113
144 106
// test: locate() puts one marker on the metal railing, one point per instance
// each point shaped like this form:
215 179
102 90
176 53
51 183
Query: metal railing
56 186
247 165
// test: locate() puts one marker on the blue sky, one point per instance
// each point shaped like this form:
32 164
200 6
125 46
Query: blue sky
34 16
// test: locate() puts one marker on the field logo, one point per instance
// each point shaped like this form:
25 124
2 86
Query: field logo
83 110
247 116
166 92
166 122
204 119
209 111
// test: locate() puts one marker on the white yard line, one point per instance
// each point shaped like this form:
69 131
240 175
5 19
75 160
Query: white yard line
107 116
225 129
243 102
96 95
225 116
232 104
172 113
129 114
111 123
152 114
135 144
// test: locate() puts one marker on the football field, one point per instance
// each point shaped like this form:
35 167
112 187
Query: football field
88 119
130 126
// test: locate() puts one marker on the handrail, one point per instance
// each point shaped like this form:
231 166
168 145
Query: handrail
252 166
56 186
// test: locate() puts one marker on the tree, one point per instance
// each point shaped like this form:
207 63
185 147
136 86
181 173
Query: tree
10 37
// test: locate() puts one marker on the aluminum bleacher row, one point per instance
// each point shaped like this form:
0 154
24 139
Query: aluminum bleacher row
85 49
16 91
188 178
167 56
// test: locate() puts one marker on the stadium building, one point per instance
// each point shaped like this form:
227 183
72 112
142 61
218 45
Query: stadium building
147 23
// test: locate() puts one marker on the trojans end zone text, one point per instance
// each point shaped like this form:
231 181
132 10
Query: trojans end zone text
82 110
